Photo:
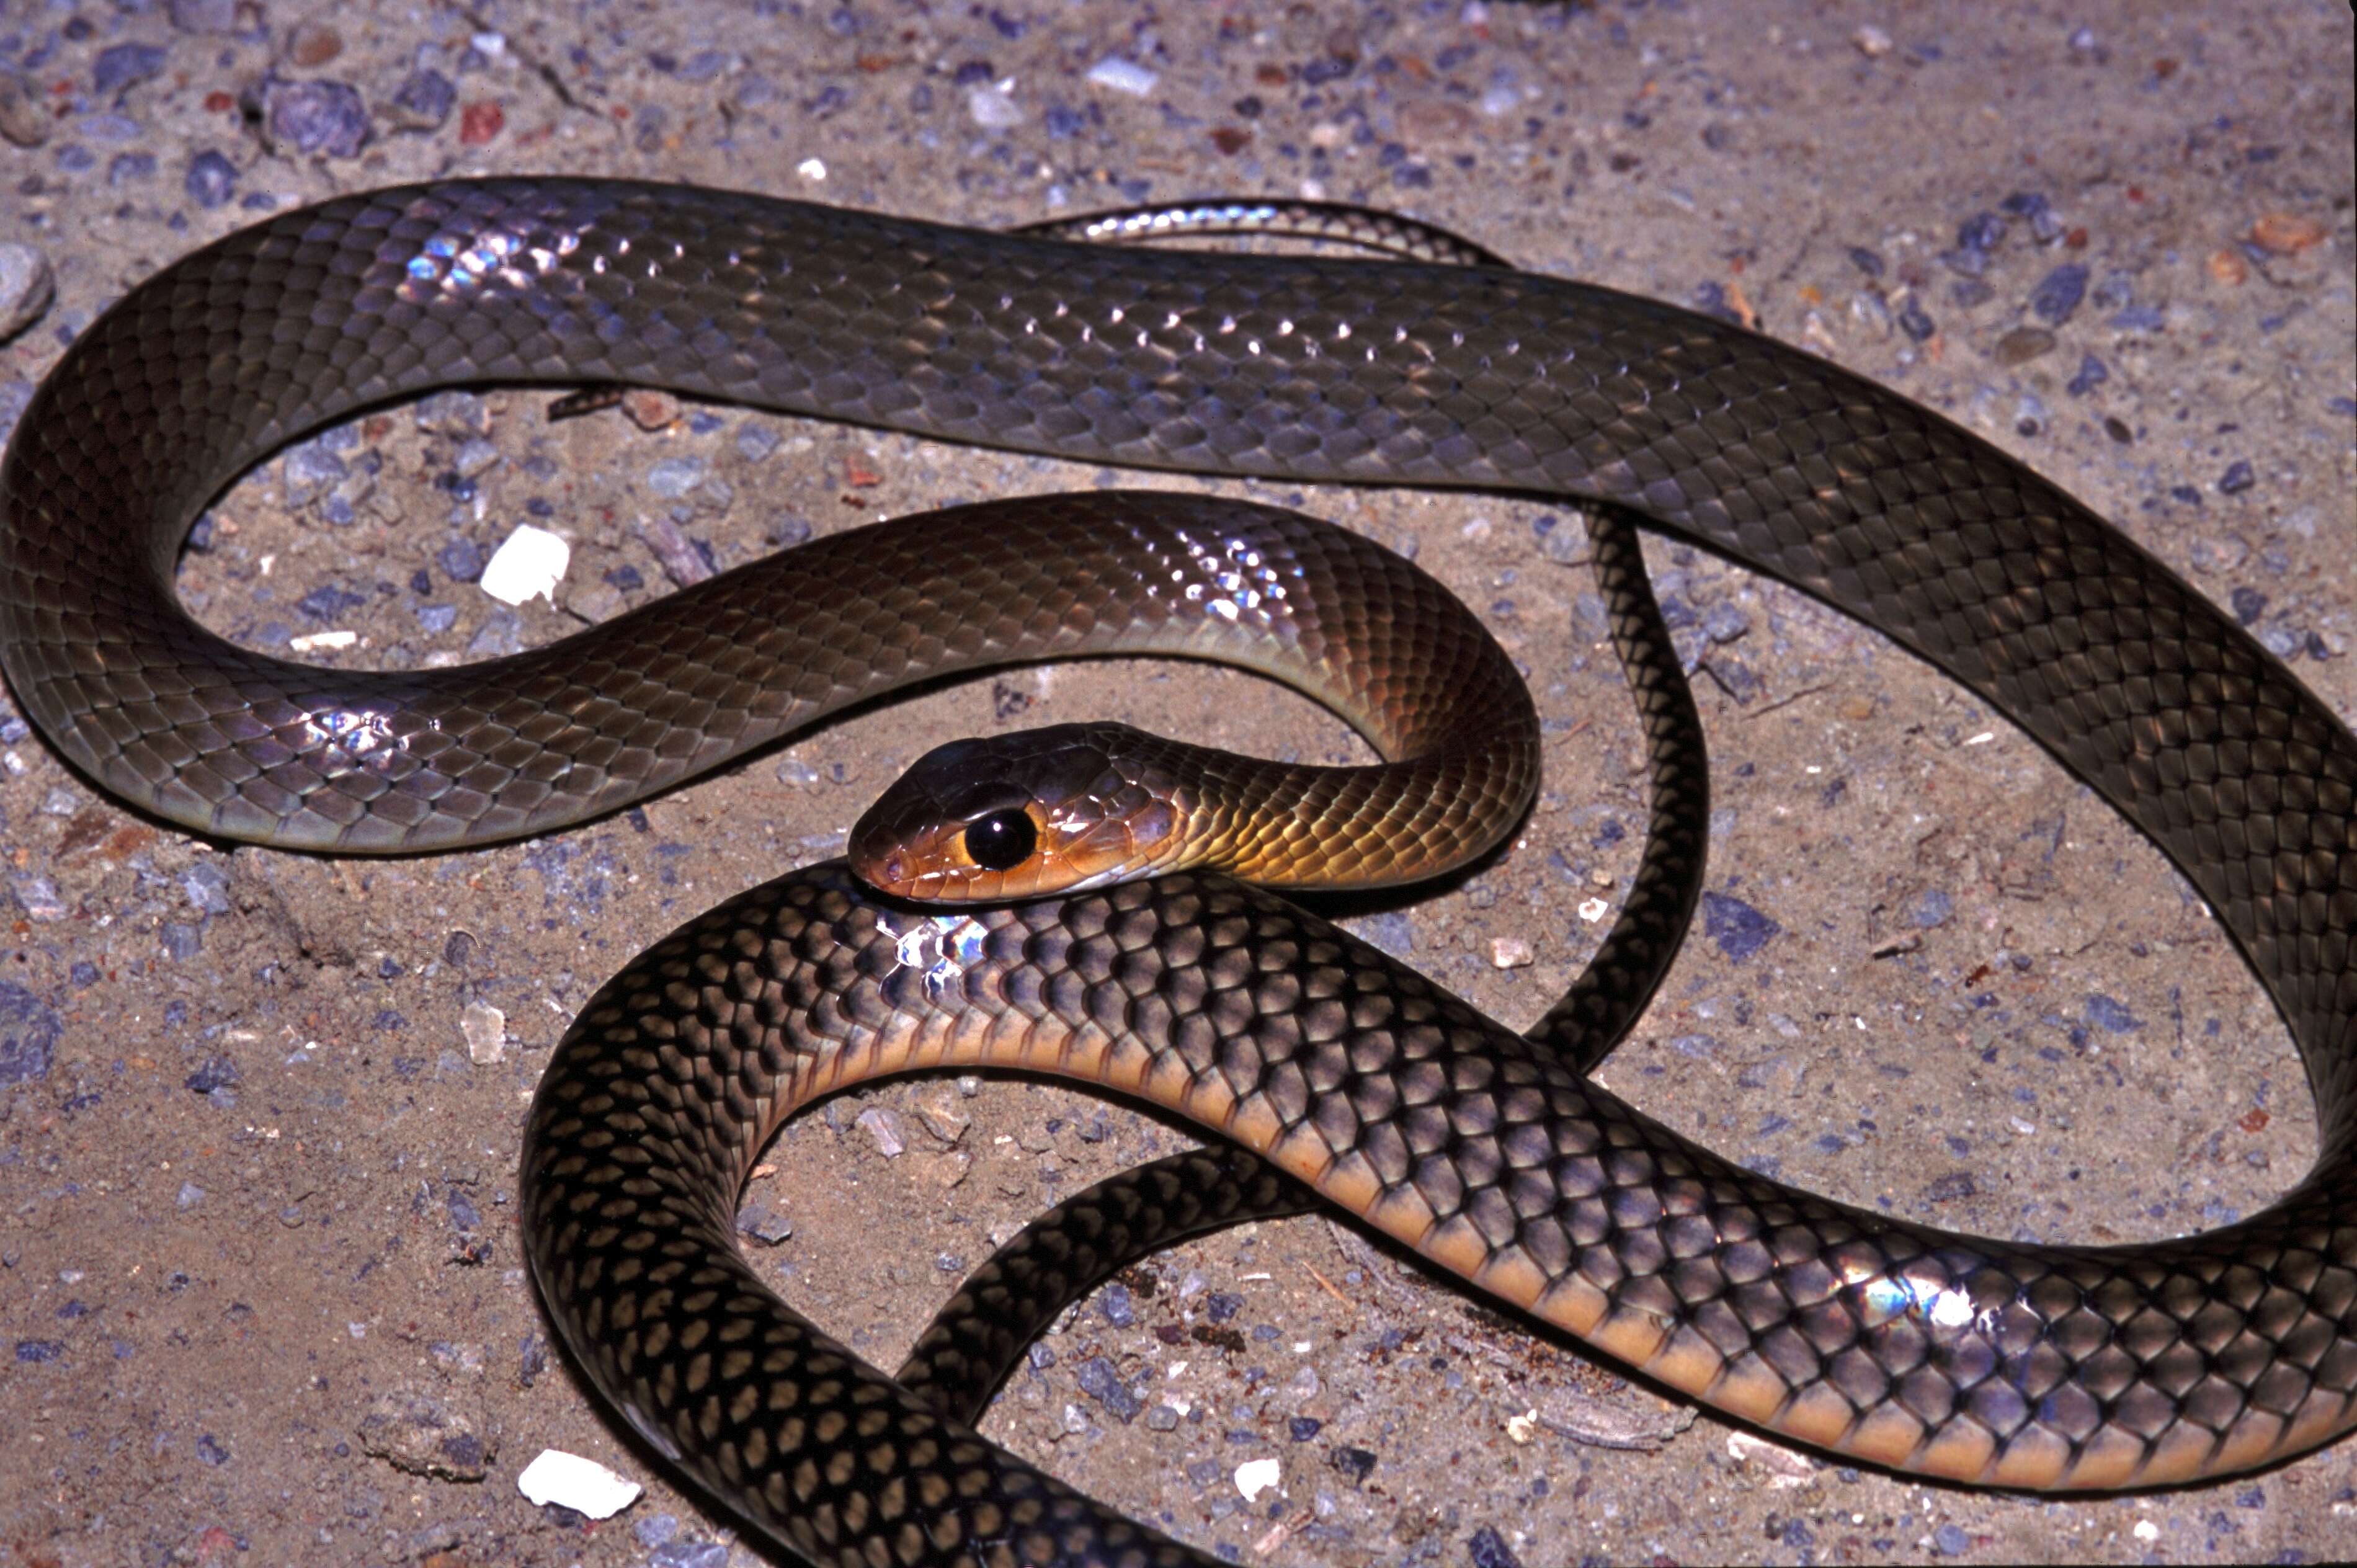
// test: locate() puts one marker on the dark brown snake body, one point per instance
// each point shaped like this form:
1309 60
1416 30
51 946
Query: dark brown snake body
1955 1357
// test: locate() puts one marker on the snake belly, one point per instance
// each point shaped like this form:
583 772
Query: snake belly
1897 1344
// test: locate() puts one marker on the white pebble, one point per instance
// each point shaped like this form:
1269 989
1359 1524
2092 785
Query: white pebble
1789 1470
528 565
811 169
993 108
1510 952
586 1487
486 1029
1123 76
884 1128
1593 910
319 639
1254 1476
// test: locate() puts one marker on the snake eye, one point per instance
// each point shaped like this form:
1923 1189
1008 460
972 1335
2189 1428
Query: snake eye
1001 841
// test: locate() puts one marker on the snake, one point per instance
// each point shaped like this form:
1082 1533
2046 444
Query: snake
1862 1335
972 1346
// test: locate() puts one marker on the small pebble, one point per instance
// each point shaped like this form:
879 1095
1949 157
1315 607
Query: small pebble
480 122
312 43
26 288
1254 1476
672 478
38 897
586 1487
992 108
683 562
2059 294
217 1072
2286 233
884 1128
454 412
594 602
206 887
650 410
212 179
2237 478
326 118
1739 929
1101 1381
121 66
1123 76
21 120
2023 344
1981 233
485 1030
1510 952
528 564
765 1224
422 100
475 456
1487 1549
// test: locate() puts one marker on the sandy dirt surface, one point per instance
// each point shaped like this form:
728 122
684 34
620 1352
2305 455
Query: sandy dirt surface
260 1295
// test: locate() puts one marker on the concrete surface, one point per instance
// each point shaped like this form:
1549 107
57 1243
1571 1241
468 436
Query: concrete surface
255 1176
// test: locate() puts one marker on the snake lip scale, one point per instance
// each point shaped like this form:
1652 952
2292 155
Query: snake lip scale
1958 1357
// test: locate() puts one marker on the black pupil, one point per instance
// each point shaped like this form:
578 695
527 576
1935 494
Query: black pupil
1001 841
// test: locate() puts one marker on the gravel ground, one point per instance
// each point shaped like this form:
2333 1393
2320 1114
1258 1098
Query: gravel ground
260 1293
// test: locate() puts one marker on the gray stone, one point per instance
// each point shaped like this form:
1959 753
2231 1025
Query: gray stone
27 287
325 118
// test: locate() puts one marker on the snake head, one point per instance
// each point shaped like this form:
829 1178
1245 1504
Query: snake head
1021 816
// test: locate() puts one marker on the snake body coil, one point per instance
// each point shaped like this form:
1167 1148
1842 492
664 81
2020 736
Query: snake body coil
1901 1345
